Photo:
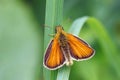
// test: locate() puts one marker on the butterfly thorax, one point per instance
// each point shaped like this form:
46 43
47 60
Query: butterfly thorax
63 41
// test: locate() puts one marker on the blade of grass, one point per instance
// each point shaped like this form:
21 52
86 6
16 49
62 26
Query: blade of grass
53 17
108 46
77 25
63 73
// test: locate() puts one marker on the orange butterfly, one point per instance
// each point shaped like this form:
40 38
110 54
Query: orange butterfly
65 48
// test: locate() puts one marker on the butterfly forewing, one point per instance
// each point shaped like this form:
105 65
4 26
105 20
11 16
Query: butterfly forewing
54 57
79 49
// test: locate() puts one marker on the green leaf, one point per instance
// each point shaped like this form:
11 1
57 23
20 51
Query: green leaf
77 25
53 17
109 48
63 73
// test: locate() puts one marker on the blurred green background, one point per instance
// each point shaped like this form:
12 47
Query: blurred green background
21 38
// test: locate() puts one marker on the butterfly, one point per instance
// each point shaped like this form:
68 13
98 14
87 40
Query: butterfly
64 48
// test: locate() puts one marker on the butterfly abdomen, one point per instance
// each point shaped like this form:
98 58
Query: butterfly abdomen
65 48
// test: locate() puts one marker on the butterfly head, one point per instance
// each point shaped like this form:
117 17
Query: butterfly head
58 29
